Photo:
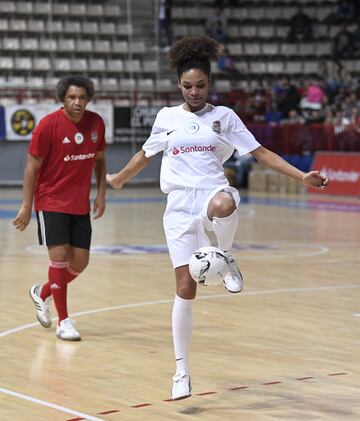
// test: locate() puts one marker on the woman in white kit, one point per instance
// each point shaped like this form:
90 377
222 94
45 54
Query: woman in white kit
196 138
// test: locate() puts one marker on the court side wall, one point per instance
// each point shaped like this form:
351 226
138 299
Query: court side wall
13 159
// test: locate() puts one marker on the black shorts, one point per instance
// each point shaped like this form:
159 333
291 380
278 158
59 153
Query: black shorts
56 228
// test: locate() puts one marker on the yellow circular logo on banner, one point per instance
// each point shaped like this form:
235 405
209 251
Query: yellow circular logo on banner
22 122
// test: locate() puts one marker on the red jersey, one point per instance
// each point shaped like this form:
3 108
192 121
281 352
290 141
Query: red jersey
68 151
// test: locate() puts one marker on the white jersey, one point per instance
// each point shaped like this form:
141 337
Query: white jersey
195 145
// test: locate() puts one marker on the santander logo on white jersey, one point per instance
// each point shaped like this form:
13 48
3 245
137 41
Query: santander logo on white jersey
194 148
80 157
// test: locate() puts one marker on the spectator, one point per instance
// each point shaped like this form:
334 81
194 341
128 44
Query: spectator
312 104
349 104
273 116
165 29
237 168
343 44
300 27
315 94
340 119
294 118
344 13
258 105
287 97
226 63
323 70
329 115
216 26
339 78
354 117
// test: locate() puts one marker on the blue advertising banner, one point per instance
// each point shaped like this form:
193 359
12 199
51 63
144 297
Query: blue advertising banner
2 123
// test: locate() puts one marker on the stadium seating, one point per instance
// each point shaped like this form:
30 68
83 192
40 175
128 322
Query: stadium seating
38 37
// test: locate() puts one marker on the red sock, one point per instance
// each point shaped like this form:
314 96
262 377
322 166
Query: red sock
70 275
45 291
58 285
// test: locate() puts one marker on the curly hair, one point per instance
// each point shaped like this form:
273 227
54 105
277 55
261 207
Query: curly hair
193 52
74 80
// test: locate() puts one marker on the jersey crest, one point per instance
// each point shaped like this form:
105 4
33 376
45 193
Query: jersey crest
216 126
79 138
192 127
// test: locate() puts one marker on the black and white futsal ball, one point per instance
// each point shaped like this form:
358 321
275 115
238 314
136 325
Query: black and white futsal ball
208 266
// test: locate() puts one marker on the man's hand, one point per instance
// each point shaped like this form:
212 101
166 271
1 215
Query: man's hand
99 206
22 218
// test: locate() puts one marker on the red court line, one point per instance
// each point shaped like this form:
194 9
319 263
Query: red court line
337 374
205 393
142 405
108 412
270 383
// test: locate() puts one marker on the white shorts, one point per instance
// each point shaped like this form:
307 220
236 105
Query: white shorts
185 221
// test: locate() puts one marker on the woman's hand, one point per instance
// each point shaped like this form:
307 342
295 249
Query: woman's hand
315 179
114 181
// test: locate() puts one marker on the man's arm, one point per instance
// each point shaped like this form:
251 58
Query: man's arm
100 173
32 167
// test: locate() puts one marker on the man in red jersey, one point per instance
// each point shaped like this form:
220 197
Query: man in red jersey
66 146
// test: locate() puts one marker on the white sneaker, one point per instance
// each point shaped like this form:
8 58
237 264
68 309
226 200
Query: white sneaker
181 386
66 331
233 281
42 307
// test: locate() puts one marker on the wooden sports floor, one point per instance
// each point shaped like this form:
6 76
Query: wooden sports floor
287 348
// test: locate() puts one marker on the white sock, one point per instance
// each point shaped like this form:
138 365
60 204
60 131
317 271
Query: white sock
182 322
225 230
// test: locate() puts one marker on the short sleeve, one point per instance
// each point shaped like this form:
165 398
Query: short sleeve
41 139
239 136
158 140
102 140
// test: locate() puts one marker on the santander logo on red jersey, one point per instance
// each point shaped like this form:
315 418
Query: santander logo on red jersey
194 148
80 157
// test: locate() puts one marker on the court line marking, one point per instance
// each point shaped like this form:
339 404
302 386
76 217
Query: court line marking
306 203
169 301
50 405
145 303
318 249
214 392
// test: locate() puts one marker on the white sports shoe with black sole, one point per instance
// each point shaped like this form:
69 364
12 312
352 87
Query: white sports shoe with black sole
66 331
233 281
42 307
181 386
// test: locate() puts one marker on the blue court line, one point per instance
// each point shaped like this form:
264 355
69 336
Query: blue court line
248 200
108 200
10 214
299 204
